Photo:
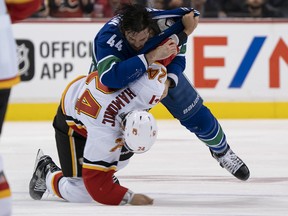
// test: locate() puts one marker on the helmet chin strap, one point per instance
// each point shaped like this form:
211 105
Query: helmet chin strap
127 147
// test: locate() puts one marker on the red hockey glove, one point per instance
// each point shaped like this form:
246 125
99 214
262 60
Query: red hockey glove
168 60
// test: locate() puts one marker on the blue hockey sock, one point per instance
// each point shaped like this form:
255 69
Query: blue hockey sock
207 129
214 139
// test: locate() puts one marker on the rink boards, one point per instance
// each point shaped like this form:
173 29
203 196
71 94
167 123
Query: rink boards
239 67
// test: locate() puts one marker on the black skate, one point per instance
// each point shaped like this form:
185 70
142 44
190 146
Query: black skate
43 164
231 162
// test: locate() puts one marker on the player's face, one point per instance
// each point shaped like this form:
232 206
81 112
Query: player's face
137 39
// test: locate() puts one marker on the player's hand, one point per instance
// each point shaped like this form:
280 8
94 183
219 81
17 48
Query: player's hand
162 52
141 199
190 22
165 92
166 50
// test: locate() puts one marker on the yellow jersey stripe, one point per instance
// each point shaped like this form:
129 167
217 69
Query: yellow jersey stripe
5 193
65 91
99 168
17 1
8 83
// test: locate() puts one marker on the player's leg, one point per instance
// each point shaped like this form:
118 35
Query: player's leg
5 193
185 104
70 147
61 182
207 129
4 98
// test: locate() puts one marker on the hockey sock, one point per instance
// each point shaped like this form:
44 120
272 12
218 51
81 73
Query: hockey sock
71 189
214 139
207 129
52 182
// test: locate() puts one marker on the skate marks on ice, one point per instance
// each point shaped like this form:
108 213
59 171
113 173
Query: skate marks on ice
226 186
178 173
196 178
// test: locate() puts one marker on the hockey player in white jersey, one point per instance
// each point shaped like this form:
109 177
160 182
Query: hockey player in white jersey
10 12
97 130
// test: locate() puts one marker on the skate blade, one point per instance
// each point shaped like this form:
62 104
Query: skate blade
38 156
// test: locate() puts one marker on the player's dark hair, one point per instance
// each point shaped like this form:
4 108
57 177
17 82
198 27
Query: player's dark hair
134 17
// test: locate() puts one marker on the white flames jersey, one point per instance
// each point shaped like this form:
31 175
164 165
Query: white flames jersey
96 110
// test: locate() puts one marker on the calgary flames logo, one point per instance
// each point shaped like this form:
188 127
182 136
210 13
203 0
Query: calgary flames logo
120 144
134 131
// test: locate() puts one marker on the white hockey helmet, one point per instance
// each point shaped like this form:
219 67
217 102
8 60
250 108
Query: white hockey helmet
140 131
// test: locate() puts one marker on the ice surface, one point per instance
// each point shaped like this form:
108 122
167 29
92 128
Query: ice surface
178 172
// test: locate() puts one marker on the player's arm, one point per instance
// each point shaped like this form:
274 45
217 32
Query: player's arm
177 64
100 185
163 51
190 22
116 71
99 169
176 67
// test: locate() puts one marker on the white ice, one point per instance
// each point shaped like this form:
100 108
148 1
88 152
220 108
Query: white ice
178 172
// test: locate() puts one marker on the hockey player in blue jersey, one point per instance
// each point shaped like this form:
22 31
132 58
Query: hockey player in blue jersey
129 43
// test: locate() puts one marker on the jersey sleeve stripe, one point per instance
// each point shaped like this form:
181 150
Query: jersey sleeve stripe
17 1
105 64
143 59
65 91
100 165
99 168
8 83
173 77
5 193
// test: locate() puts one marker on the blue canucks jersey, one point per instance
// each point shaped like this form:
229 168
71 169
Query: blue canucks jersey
118 64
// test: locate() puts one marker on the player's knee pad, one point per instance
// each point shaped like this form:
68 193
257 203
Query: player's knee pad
201 122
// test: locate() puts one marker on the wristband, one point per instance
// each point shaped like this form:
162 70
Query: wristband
127 197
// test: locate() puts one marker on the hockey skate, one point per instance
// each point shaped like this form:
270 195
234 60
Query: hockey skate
43 164
231 162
